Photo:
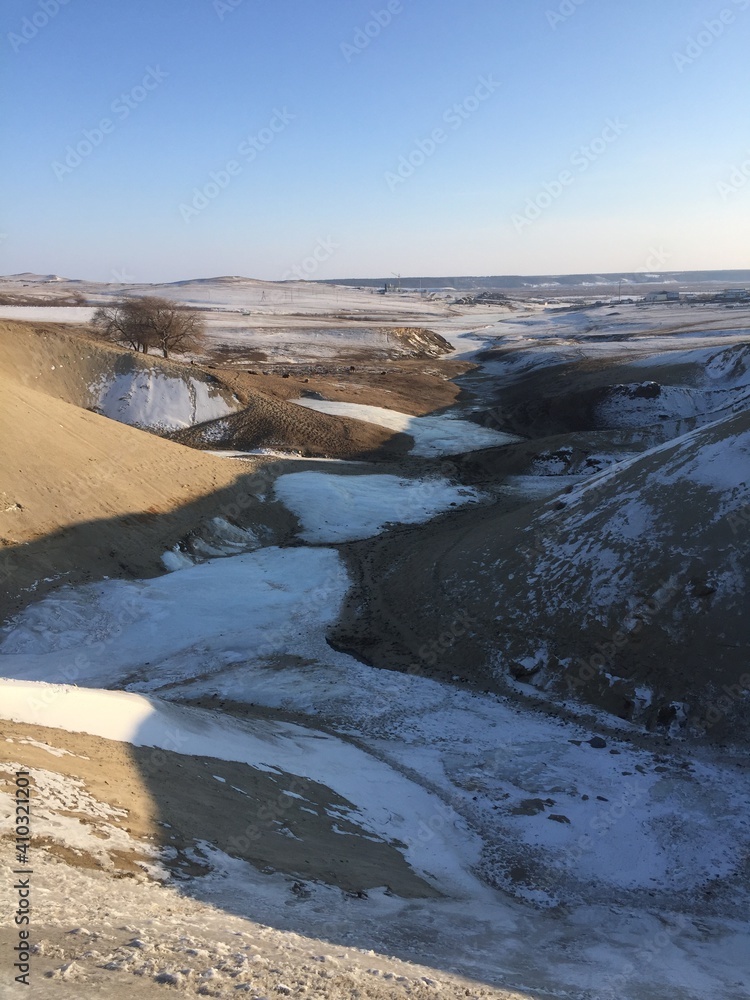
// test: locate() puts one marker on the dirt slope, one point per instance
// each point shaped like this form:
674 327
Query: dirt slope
106 378
159 395
627 593
273 423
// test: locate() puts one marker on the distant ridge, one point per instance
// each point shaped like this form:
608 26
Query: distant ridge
30 276
542 281
710 280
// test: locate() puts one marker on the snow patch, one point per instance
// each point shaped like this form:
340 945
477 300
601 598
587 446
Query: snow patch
151 399
433 436
335 508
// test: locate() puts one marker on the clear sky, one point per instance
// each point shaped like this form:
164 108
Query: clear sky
156 140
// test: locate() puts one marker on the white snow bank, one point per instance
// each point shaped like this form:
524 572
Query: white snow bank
291 456
433 436
390 805
345 508
49 314
152 399
258 604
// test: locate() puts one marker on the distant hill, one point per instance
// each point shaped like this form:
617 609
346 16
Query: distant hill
543 282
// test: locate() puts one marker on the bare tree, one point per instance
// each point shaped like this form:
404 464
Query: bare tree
174 328
148 322
124 322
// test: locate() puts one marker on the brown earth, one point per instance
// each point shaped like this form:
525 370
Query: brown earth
82 497
271 423
410 386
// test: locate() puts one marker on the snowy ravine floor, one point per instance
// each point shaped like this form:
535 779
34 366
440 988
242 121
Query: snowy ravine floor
568 869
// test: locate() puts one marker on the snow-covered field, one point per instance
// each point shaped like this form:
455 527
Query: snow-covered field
287 322
563 854
48 314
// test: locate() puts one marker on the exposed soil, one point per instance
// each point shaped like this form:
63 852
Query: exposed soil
272 423
410 386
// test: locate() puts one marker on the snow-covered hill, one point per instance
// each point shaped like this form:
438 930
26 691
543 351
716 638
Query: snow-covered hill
627 590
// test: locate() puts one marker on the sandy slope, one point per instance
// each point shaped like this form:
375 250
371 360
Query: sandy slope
193 404
83 496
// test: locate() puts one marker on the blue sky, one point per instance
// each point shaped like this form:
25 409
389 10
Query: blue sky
156 140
